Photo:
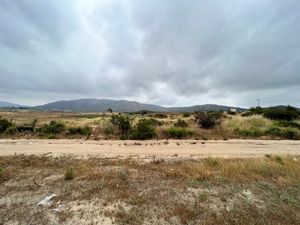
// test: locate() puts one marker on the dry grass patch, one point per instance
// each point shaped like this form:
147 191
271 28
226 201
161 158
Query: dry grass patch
208 191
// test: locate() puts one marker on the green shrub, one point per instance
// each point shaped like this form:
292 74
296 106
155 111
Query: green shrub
153 122
231 112
123 123
27 127
247 113
52 128
161 115
274 131
11 130
109 129
69 174
144 130
51 136
284 123
290 134
283 133
252 132
257 111
280 114
4 124
175 132
186 114
208 120
180 123
85 131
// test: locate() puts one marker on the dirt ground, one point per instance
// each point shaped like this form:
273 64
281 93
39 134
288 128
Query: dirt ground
149 149
67 190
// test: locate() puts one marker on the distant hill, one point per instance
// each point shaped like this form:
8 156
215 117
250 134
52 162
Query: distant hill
205 107
281 107
98 105
101 105
8 105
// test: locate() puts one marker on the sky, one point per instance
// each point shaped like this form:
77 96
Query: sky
166 52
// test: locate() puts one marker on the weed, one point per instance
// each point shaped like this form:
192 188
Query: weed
124 175
4 176
202 197
213 162
69 174
279 159
186 213
192 182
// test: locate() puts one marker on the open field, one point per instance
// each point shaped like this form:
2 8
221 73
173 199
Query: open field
76 170
148 149
264 190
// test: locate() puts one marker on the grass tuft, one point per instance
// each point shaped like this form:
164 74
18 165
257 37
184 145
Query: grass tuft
69 174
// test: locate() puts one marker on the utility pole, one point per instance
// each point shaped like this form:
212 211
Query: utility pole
258 102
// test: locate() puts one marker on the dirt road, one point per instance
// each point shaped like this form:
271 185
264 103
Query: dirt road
148 149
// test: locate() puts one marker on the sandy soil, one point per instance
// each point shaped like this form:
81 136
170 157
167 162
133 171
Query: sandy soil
149 149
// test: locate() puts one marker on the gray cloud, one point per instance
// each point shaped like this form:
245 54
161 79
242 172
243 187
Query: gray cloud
165 52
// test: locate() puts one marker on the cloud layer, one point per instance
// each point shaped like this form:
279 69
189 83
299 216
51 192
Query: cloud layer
164 52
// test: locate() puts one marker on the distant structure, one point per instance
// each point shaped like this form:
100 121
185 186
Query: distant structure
232 110
258 103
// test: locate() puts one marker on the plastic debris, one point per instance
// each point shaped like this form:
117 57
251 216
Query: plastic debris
47 200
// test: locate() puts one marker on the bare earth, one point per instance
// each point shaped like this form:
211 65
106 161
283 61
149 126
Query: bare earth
149 149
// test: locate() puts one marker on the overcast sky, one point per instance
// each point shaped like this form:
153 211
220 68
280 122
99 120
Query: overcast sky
167 52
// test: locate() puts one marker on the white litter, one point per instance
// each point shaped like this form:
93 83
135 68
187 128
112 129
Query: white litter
59 208
47 201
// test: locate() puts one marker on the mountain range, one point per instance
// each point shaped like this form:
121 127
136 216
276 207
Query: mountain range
102 105
8 105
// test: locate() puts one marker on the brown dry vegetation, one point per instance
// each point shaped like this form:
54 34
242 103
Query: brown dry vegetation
231 126
113 191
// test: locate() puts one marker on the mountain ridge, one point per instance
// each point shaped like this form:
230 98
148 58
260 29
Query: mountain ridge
4 104
102 105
